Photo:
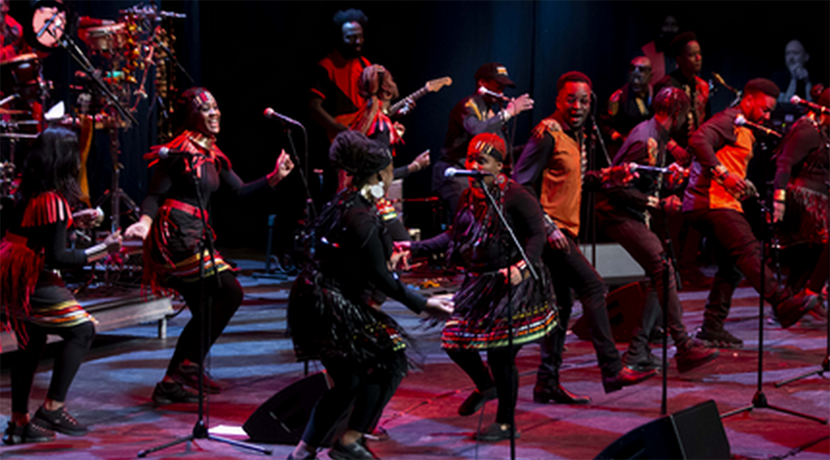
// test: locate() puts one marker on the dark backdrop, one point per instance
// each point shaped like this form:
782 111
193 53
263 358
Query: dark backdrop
259 54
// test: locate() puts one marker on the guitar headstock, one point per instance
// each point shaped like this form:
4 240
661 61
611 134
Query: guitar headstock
434 85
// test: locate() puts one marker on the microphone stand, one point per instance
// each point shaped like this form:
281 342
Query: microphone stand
200 430
532 270
825 365
310 210
759 400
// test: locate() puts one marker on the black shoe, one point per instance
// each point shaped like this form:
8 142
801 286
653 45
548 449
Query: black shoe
542 394
642 363
188 374
60 421
625 377
718 338
476 400
496 432
793 309
30 432
173 392
354 451
692 354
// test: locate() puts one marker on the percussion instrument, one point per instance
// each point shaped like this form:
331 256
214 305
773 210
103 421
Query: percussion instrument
105 39
22 76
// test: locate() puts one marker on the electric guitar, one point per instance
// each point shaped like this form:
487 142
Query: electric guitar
432 86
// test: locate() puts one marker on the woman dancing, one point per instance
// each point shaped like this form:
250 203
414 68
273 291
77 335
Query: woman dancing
331 311
496 274
171 225
35 300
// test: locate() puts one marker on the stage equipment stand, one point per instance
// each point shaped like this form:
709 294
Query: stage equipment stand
825 365
535 276
759 400
278 272
200 430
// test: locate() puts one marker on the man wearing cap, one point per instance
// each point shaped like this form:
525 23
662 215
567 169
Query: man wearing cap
686 51
625 214
554 163
721 152
801 198
478 113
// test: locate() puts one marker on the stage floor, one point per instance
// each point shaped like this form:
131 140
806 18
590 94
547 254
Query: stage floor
254 359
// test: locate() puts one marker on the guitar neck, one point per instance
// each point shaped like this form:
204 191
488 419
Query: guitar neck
414 96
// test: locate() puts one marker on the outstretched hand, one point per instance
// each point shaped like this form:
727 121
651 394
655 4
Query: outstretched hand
439 308
282 168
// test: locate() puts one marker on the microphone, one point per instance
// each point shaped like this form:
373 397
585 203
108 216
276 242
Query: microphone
810 105
454 172
740 120
274 115
639 167
486 92
165 152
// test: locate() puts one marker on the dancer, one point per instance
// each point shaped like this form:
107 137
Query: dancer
496 274
35 300
554 160
801 195
712 203
331 312
624 214
171 225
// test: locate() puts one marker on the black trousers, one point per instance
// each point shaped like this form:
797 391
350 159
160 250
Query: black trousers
224 301
365 387
570 269
505 375
738 254
647 249
76 342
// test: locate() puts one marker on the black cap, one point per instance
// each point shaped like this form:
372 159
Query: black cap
762 85
494 71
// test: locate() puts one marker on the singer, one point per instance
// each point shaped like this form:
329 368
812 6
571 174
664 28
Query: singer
801 200
478 242
554 159
171 227
721 154
624 214
482 112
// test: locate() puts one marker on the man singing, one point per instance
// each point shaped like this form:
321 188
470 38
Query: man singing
478 113
554 162
721 152
624 215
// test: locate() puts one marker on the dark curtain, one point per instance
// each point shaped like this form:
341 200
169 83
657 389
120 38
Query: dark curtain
258 54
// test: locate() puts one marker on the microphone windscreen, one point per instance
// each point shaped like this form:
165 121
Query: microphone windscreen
740 120
450 172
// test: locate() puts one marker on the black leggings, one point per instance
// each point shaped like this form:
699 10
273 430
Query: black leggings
368 389
224 301
76 341
504 371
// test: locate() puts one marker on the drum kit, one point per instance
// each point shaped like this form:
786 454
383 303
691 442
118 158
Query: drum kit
118 61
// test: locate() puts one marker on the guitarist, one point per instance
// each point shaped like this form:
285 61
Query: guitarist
475 114
334 98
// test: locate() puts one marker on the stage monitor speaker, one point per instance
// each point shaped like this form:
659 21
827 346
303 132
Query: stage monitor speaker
282 419
693 433
625 307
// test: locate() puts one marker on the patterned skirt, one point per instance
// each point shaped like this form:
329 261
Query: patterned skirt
480 319
323 323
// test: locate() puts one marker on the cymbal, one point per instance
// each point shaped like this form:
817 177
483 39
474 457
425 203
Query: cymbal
14 112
